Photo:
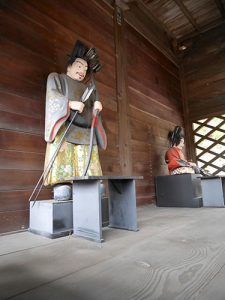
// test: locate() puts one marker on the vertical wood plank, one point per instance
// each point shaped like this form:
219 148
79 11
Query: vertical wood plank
121 73
189 138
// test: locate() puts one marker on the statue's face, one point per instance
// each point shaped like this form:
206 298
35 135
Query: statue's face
78 69
181 144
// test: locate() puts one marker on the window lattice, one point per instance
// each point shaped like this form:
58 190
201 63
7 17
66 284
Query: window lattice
209 138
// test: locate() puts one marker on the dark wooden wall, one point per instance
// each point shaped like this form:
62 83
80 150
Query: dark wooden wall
36 37
155 107
203 79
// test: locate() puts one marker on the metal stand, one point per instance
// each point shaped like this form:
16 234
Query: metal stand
213 191
51 218
122 204
87 214
183 190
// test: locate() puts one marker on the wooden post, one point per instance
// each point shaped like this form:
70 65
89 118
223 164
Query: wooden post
189 136
123 104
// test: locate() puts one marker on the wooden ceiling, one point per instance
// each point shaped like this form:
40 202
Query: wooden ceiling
176 21
182 19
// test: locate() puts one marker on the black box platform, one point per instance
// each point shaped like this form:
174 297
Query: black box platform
183 190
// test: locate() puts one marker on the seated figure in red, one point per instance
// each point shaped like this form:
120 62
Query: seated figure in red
177 163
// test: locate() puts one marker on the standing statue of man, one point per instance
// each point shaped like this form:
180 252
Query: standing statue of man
63 95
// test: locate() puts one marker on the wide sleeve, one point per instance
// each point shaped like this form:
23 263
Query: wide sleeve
175 159
57 106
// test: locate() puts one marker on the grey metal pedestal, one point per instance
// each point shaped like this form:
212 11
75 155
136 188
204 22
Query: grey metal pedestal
51 218
213 191
87 215
122 204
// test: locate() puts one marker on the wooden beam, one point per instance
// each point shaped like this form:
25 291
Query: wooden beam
189 135
138 15
105 5
206 115
203 29
170 36
220 6
122 4
157 22
187 13
140 20
148 1
109 2
123 104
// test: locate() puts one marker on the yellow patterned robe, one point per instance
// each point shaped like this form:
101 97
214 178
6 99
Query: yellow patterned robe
70 161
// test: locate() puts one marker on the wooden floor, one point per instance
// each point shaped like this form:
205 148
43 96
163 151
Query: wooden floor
178 254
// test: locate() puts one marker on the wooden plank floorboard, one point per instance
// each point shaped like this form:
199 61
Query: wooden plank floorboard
178 254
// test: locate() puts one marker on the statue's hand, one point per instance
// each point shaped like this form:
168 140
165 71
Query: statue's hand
76 105
98 106
192 164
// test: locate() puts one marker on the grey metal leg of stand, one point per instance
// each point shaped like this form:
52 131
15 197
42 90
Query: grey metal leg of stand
122 204
213 191
87 216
